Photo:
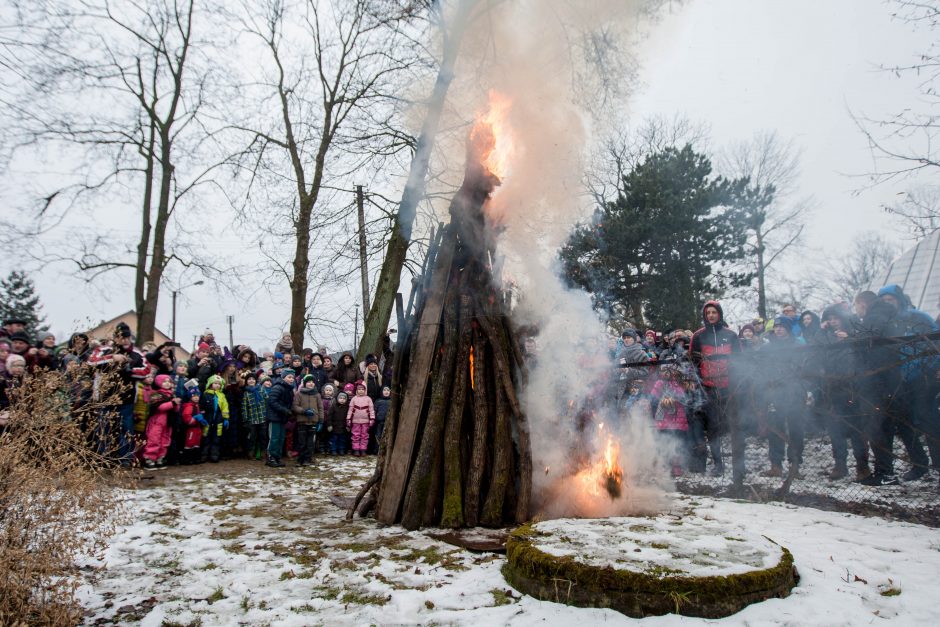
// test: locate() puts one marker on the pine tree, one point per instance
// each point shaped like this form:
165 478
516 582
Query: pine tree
18 299
672 239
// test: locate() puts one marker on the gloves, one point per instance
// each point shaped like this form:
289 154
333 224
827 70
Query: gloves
225 424
329 429
319 427
309 412
201 420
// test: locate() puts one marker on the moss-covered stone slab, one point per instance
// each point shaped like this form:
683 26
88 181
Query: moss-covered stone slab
648 566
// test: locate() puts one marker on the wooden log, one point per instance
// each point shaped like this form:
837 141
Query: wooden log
432 508
500 361
500 478
399 461
481 414
419 485
452 515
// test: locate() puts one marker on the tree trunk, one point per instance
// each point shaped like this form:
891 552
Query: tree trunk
761 285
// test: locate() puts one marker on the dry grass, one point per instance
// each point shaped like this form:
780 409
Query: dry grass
57 497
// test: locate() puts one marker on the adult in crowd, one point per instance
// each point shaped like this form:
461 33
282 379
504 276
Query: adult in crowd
711 348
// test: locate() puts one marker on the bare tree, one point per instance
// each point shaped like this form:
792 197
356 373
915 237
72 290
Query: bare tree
869 257
775 220
120 89
330 76
905 144
918 212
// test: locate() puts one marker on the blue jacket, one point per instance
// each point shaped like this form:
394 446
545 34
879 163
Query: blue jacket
919 360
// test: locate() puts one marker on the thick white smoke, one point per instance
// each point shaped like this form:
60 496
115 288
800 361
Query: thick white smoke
553 59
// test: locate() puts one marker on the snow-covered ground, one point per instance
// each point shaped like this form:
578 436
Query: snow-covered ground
240 544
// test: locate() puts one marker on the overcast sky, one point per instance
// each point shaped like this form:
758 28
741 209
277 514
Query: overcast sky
740 66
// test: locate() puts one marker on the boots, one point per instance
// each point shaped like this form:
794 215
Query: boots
862 471
775 470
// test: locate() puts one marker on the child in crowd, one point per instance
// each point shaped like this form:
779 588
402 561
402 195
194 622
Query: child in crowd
254 416
142 391
336 424
162 402
360 419
214 408
671 418
381 411
193 423
326 397
308 412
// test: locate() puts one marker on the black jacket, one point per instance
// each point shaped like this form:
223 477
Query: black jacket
280 401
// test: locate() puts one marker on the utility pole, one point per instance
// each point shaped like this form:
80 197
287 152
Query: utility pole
173 335
356 328
363 264
231 338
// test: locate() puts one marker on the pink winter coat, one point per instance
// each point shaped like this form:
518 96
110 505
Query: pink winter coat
671 418
361 411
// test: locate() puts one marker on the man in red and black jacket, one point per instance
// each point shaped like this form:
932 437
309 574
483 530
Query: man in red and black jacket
711 349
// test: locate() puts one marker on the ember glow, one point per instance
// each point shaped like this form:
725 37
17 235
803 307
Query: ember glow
605 473
471 367
491 136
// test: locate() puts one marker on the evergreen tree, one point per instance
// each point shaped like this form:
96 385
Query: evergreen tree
18 299
670 240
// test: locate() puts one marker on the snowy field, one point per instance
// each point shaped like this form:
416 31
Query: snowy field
240 544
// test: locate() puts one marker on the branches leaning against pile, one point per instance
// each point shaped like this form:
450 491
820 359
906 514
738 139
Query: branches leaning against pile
59 500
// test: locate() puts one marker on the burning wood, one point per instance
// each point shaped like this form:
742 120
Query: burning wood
449 456
605 473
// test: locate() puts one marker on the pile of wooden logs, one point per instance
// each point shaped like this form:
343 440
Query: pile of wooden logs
456 450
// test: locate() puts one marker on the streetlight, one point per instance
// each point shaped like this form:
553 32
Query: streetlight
175 292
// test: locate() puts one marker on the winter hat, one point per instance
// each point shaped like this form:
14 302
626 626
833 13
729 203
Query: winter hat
214 379
782 321
385 389
370 359
320 355
308 351
262 378
122 330
745 328
360 384
43 336
13 360
278 355
308 377
202 347
194 393
287 372
161 379
342 396
630 333
19 335
349 388
328 386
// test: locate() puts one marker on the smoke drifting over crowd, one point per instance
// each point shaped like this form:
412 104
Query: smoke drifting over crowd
548 58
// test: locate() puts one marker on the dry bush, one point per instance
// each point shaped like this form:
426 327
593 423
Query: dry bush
59 497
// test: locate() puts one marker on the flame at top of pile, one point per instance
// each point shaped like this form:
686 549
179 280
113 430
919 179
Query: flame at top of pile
491 141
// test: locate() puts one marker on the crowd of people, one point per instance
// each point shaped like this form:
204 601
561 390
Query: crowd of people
866 373
220 404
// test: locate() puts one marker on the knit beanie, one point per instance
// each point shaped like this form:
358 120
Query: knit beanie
161 379
215 379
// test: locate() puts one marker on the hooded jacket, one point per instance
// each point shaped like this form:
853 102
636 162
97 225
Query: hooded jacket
918 357
711 348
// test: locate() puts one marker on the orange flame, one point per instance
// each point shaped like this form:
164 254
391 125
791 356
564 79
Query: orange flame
605 474
491 136
471 367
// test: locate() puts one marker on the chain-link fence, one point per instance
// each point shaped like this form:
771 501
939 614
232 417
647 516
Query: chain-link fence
853 427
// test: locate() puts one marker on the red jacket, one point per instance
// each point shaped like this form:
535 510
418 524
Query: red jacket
711 348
